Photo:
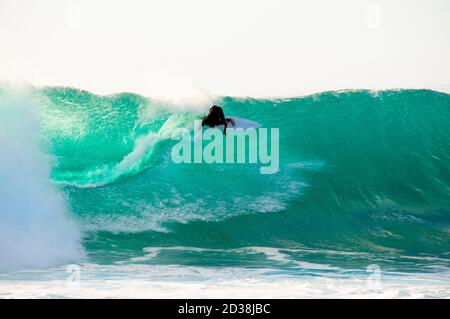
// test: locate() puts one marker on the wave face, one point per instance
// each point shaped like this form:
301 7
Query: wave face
361 172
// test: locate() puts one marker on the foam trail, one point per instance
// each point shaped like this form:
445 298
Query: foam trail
35 230
134 161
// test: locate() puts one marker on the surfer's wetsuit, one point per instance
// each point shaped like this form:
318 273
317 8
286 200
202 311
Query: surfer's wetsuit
215 117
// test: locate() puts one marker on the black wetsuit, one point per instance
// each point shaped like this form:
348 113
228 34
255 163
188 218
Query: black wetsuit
215 117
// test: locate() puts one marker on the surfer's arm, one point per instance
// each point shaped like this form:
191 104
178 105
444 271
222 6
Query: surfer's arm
209 113
205 118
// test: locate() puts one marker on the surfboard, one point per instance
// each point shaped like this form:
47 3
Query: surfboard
240 123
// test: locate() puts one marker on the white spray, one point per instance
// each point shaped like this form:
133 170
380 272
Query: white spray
35 229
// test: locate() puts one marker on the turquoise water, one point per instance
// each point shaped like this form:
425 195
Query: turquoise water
364 178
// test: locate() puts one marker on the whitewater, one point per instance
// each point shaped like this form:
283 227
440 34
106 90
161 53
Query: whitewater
87 181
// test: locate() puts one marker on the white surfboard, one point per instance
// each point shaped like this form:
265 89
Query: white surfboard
240 123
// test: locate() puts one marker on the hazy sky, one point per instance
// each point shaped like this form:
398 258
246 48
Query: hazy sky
227 47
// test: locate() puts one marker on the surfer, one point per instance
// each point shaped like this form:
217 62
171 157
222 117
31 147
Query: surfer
216 117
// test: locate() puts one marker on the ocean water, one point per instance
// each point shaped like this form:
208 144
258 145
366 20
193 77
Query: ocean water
92 205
